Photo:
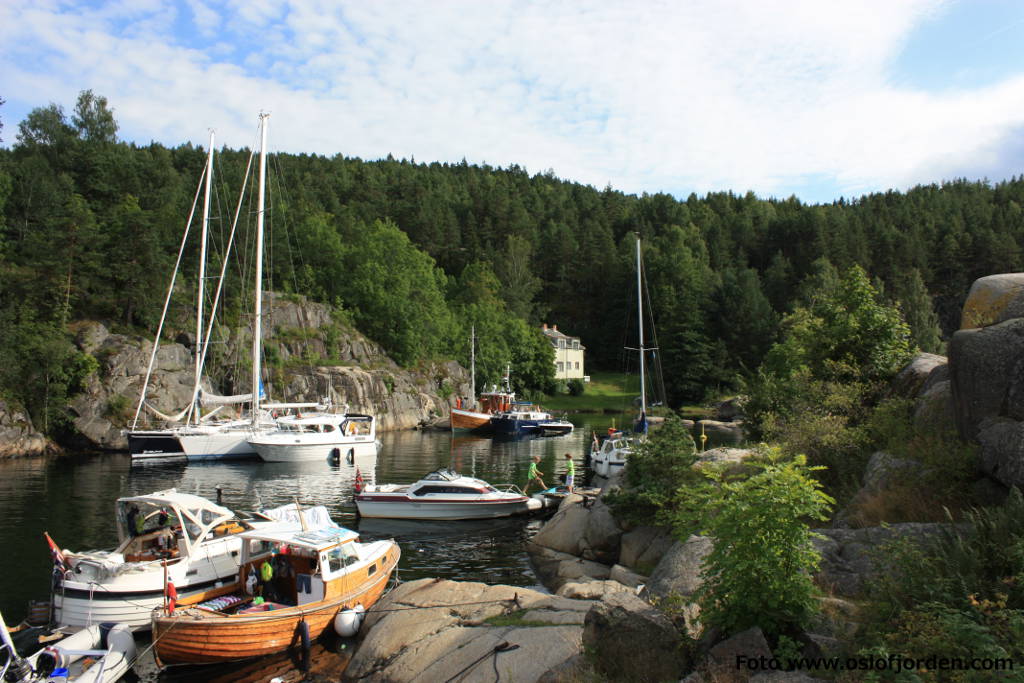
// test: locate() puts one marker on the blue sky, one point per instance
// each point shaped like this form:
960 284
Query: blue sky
816 98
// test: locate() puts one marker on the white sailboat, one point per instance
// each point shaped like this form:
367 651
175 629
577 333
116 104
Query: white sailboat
201 438
609 456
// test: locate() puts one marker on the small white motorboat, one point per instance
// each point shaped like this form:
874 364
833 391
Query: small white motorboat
101 653
610 455
443 495
555 427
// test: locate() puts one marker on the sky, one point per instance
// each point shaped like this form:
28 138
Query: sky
815 98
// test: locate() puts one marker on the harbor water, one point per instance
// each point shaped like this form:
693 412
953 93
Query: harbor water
72 498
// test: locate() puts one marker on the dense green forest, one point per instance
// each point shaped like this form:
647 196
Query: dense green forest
415 253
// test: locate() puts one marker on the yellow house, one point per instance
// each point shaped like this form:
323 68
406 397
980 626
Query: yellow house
568 353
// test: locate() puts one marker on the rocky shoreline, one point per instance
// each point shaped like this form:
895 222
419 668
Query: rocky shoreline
360 375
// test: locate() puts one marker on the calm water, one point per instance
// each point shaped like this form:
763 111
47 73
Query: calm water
73 499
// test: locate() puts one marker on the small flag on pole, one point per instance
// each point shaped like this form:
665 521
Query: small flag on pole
55 551
172 597
358 487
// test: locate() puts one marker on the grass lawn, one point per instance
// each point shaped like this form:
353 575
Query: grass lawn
612 393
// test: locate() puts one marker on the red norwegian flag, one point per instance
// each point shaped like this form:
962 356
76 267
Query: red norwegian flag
55 551
172 597
358 487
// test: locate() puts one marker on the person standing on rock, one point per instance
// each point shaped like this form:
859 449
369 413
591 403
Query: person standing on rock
534 475
570 472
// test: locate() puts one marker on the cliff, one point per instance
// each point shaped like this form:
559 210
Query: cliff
309 355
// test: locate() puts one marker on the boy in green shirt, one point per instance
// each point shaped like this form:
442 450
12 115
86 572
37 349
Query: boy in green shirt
534 475
570 472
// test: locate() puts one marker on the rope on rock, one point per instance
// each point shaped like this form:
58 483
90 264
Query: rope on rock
503 646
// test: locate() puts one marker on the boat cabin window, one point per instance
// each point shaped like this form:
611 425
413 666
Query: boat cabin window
257 547
339 557
328 428
423 490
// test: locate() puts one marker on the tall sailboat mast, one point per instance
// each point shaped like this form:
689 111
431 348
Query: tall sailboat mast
201 293
472 364
640 317
257 322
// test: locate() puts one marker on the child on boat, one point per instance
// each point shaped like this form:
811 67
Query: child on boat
534 475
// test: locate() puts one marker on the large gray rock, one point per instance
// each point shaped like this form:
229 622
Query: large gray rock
679 571
934 410
720 432
883 473
992 300
848 556
566 531
643 547
18 437
602 534
433 630
729 661
630 640
987 374
910 380
1002 450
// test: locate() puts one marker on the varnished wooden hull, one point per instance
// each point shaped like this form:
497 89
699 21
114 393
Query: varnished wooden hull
470 420
191 637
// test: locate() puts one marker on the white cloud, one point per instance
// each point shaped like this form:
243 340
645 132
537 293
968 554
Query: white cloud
655 96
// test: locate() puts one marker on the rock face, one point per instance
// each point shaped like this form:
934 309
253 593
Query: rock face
678 572
425 631
632 641
18 436
1002 450
365 378
848 561
992 300
987 373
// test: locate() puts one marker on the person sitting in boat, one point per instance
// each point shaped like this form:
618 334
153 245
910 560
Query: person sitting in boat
570 472
351 429
534 475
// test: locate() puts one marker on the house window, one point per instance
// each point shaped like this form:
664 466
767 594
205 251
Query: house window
561 343
577 365
560 366
575 344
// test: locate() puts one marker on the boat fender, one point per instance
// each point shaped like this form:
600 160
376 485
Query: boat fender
351 457
348 621
304 636
335 456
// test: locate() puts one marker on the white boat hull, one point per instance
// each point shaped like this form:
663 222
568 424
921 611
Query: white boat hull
442 511
90 597
228 444
305 452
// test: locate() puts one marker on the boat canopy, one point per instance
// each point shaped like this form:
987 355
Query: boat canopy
312 539
197 515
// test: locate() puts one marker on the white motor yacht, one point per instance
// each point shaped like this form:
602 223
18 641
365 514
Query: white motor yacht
443 495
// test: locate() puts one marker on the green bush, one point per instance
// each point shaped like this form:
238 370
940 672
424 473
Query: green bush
759 571
576 387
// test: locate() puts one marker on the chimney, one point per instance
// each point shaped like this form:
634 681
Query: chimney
544 327
555 328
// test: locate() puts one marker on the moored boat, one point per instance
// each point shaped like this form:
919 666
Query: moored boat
186 539
101 653
555 427
322 573
315 436
521 420
442 494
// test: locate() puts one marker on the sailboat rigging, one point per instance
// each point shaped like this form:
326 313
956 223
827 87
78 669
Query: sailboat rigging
609 456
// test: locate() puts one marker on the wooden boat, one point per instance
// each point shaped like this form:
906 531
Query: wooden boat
318 574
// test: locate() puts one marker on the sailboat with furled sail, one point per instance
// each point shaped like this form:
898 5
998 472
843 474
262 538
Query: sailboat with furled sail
191 434
477 418
609 456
